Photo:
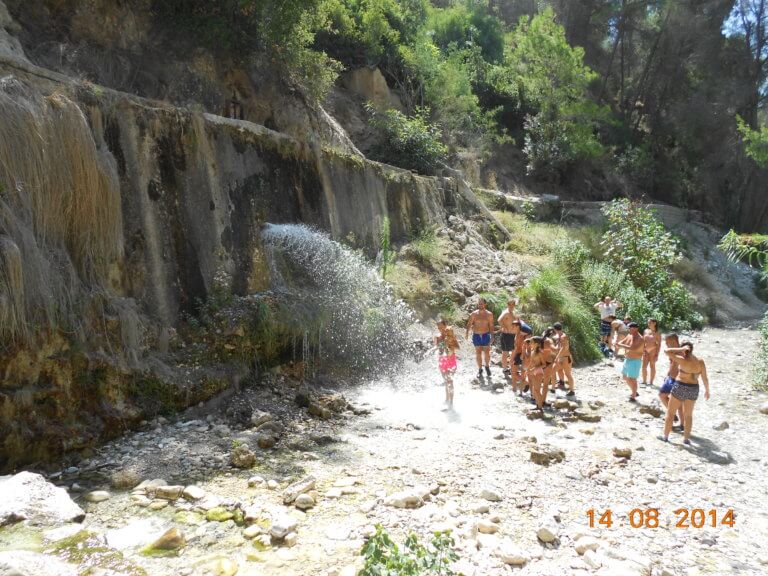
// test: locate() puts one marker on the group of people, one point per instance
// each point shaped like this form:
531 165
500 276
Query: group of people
541 364
533 364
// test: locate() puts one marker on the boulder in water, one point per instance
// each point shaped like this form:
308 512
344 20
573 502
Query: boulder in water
28 496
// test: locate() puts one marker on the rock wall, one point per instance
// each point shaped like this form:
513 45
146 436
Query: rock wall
194 192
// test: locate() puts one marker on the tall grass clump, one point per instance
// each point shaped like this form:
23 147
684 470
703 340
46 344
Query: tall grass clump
551 291
496 301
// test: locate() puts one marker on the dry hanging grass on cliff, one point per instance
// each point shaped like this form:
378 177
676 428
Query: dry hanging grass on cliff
60 217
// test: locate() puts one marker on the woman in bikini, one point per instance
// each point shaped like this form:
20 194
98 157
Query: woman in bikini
564 360
550 353
447 345
671 341
652 340
536 364
685 391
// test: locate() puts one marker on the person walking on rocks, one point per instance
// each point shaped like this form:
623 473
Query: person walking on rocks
633 346
607 309
671 341
685 391
518 372
619 329
447 345
507 327
481 324
652 346
564 359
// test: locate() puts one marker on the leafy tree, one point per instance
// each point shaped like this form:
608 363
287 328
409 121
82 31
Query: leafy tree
408 142
552 79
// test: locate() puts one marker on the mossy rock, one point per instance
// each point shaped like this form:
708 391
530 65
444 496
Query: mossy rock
187 517
219 514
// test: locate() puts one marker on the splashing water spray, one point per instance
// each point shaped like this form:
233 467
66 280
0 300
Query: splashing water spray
349 316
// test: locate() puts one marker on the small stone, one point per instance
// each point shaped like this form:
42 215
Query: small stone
173 539
487 527
722 426
586 543
491 495
290 539
97 496
272 484
193 493
242 457
304 502
254 481
334 493
510 554
169 492
282 526
252 531
266 440
405 499
547 533
157 504
258 418
764 408
622 452
654 409
481 508
296 489
315 409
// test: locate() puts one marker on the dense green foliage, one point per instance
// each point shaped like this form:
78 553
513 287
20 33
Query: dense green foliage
648 95
752 248
552 290
638 244
755 141
385 558
411 143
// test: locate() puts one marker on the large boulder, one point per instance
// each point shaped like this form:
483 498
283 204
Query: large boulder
28 496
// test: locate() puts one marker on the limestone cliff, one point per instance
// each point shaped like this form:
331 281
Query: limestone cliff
119 214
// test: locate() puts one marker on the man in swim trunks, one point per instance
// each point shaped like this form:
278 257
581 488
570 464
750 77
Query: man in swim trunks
481 324
633 345
672 340
607 308
508 335
564 360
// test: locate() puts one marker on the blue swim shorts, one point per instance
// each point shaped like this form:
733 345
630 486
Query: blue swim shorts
632 367
481 339
666 387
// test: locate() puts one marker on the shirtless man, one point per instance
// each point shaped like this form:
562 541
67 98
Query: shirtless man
506 320
518 373
564 360
633 345
481 324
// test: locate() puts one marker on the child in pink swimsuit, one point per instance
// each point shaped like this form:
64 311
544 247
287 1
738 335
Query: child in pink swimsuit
446 361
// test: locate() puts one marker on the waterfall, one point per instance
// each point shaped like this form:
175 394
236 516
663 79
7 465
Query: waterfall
336 298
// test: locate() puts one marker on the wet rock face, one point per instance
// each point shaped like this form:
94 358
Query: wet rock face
28 496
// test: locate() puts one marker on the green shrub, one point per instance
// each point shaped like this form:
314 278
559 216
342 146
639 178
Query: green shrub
638 244
385 558
599 279
497 301
425 247
551 291
408 142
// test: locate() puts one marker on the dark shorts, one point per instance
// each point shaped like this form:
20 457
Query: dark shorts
605 328
685 391
518 360
481 340
507 342
666 387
